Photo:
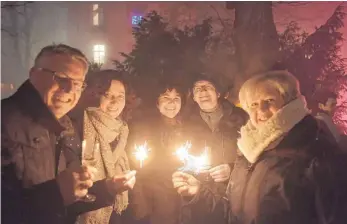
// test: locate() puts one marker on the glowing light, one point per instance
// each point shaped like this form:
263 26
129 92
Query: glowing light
141 153
192 163
135 20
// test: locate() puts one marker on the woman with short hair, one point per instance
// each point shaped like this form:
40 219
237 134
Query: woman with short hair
270 183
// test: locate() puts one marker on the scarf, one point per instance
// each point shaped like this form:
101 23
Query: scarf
266 136
111 134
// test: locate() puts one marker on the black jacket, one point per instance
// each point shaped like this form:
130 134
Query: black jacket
35 147
223 143
154 197
277 188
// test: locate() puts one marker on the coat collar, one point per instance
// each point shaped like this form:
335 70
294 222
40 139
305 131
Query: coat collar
31 103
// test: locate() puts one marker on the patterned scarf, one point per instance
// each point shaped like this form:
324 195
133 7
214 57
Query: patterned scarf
255 140
111 134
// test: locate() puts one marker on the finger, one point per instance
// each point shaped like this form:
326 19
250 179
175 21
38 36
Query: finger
89 169
179 184
84 176
215 169
179 179
222 175
221 179
130 183
182 190
130 174
181 175
85 184
218 180
81 193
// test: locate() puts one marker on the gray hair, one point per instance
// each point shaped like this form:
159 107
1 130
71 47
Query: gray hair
64 50
283 81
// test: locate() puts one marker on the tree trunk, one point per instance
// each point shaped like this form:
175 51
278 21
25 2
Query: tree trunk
255 38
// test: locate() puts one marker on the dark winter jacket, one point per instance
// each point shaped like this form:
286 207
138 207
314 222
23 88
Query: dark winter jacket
223 140
275 189
153 196
35 147
223 144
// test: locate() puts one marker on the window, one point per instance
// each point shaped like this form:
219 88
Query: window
99 54
98 15
135 20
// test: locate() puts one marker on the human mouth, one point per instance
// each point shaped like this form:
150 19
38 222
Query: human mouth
62 100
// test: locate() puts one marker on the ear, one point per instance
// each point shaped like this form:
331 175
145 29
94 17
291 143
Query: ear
321 106
218 95
32 74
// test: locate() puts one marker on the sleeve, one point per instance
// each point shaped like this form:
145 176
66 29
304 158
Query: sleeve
286 200
103 199
25 205
206 206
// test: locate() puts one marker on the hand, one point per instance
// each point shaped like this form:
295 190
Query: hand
220 173
74 182
120 183
185 184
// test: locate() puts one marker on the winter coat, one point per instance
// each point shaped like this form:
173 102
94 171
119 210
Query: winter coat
276 188
35 147
223 140
154 197
223 144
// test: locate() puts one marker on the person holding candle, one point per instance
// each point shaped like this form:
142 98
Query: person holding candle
290 169
103 126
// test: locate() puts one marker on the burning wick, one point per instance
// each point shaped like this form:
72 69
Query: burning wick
141 153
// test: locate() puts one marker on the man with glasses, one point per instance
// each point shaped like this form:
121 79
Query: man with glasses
43 180
217 122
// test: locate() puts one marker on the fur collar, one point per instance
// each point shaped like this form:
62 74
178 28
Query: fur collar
255 140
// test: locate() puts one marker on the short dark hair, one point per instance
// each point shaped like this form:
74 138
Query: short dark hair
171 85
101 80
63 49
204 77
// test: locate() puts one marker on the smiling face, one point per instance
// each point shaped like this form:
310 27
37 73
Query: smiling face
59 79
169 103
263 103
112 101
205 95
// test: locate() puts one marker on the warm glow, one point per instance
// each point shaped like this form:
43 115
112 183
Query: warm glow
192 163
141 153
96 15
99 54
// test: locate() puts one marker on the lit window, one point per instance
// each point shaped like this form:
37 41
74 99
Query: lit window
98 15
99 54
136 20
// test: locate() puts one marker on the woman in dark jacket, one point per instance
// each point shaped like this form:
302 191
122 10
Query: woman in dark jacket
270 182
154 197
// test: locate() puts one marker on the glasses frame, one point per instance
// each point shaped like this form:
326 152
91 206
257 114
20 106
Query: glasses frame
56 74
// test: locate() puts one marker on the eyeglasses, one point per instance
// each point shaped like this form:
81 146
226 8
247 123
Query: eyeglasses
203 88
63 80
